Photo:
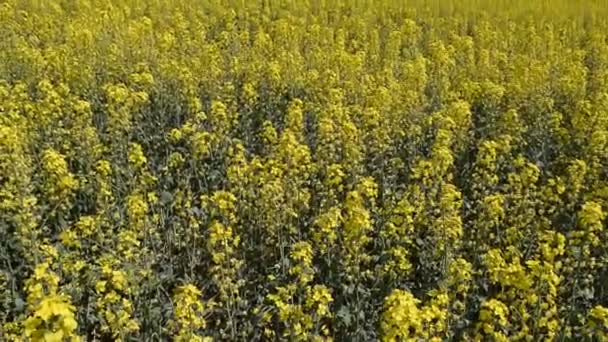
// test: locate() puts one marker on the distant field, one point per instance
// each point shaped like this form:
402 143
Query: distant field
314 170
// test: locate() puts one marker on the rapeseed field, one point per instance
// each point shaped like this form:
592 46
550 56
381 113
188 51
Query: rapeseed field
303 170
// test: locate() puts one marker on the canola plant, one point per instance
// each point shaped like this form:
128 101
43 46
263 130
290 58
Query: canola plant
303 170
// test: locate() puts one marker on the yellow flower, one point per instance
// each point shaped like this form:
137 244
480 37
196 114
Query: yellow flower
136 156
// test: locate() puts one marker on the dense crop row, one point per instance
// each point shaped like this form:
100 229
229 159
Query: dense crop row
303 170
